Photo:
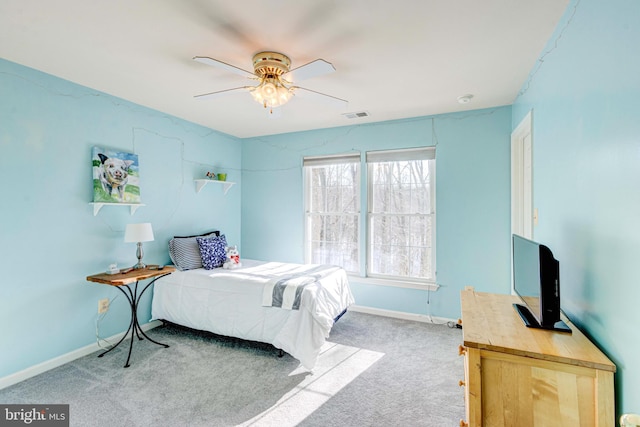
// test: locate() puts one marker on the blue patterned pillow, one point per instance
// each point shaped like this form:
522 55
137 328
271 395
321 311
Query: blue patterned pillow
212 251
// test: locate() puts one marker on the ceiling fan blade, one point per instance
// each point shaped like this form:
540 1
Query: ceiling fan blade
309 70
332 101
221 93
223 65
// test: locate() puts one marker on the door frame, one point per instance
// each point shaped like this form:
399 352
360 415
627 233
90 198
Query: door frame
522 220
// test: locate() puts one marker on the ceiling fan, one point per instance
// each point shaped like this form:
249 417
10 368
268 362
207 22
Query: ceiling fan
275 79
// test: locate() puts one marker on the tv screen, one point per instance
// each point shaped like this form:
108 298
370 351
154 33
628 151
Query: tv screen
536 280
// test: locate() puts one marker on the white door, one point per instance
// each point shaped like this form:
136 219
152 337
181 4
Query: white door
522 179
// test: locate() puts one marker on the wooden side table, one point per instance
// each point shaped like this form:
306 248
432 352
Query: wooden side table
123 282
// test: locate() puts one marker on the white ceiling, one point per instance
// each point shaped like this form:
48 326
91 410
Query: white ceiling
394 59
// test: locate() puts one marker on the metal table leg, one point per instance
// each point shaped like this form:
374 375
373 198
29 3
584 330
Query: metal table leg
134 326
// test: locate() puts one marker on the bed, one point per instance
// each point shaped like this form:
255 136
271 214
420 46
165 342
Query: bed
291 306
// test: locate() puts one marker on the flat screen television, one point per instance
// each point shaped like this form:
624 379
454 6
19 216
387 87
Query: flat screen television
536 280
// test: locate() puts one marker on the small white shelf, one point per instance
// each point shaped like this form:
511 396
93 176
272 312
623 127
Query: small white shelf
98 205
202 182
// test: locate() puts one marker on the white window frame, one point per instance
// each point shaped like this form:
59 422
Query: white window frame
422 153
308 163
362 275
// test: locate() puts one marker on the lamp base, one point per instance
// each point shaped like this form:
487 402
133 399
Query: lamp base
139 255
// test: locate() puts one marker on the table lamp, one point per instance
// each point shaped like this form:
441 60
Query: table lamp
139 233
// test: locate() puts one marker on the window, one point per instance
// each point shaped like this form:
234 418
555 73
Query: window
399 242
332 200
401 214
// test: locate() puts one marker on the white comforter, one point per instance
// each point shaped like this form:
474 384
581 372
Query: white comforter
229 302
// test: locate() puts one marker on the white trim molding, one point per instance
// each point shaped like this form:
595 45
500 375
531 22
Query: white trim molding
47 365
425 286
401 315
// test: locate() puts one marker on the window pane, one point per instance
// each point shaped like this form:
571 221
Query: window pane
390 260
420 233
335 254
333 215
401 245
381 195
401 219
340 252
420 199
401 187
420 262
334 188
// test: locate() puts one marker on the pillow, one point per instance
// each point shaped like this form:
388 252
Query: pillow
212 251
185 253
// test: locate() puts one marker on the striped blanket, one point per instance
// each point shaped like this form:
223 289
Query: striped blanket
286 291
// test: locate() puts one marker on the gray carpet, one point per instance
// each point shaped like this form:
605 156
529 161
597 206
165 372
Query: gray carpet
376 372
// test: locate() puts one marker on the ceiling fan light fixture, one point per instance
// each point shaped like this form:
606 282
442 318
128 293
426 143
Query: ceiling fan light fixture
269 66
284 94
275 79
271 92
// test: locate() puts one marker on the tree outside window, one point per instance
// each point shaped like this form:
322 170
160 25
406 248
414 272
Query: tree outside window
400 238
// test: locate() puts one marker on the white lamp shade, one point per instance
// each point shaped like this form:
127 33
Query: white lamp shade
138 233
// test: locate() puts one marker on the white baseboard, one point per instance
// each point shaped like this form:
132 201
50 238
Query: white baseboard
32 371
401 315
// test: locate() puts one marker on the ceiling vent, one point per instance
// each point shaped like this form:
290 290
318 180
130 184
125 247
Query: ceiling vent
356 115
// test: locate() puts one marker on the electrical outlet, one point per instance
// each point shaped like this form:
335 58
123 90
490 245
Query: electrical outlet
103 305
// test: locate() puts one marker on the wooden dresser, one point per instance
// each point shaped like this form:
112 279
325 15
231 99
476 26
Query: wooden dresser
518 376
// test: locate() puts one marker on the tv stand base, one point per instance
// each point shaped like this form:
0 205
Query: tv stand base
531 322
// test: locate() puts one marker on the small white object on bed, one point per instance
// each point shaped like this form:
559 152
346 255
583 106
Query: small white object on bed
230 303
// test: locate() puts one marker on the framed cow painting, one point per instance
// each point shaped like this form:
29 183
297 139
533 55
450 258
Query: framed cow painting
116 176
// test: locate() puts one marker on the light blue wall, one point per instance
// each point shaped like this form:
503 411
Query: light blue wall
472 199
50 240
585 98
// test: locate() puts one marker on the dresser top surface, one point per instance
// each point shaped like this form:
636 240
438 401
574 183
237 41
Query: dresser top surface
490 322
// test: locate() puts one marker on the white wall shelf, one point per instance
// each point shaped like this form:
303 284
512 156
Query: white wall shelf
202 182
98 205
